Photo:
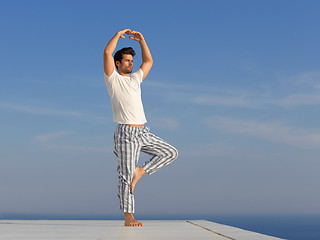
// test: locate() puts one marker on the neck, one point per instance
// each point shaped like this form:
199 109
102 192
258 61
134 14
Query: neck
125 74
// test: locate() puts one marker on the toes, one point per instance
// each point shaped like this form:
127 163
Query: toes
132 188
137 224
134 224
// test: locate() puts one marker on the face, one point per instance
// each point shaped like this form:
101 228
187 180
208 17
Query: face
126 64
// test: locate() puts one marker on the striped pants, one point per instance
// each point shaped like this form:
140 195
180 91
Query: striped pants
128 142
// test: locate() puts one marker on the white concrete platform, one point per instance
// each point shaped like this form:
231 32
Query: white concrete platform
114 230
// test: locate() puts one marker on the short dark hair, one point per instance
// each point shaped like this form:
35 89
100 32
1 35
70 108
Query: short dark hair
119 54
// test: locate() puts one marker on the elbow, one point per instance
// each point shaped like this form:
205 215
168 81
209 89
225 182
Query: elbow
107 52
148 62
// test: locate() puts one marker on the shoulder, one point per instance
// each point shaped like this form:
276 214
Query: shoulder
112 76
138 75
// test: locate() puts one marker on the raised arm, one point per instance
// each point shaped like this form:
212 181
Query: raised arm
109 65
147 60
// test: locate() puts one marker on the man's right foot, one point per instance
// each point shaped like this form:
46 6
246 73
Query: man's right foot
131 222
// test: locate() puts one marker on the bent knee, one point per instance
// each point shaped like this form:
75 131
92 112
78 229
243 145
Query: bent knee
174 153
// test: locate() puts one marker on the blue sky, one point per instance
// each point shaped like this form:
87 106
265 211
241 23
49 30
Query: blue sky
234 86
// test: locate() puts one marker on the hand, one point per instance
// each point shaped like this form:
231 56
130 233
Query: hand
137 36
125 31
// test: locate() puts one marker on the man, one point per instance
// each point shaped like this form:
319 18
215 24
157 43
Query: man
131 136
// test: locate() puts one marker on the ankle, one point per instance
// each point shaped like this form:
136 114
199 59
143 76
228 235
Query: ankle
142 170
128 215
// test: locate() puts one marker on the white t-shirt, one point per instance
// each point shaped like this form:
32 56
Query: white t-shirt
125 95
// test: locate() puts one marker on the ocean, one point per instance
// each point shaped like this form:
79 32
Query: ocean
291 227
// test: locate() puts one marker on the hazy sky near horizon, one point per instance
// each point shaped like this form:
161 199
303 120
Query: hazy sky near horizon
235 86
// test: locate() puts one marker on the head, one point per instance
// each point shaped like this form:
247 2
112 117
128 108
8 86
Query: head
123 60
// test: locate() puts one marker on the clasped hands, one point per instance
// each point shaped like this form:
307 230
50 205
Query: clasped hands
137 36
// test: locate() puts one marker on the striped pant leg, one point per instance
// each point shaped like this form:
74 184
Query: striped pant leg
127 150
162 152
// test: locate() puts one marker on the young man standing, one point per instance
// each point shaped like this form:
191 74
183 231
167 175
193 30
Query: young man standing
131 136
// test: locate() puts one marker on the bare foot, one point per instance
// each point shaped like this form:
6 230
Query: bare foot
136 177
130 221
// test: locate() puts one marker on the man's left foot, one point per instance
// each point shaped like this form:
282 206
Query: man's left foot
136 177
